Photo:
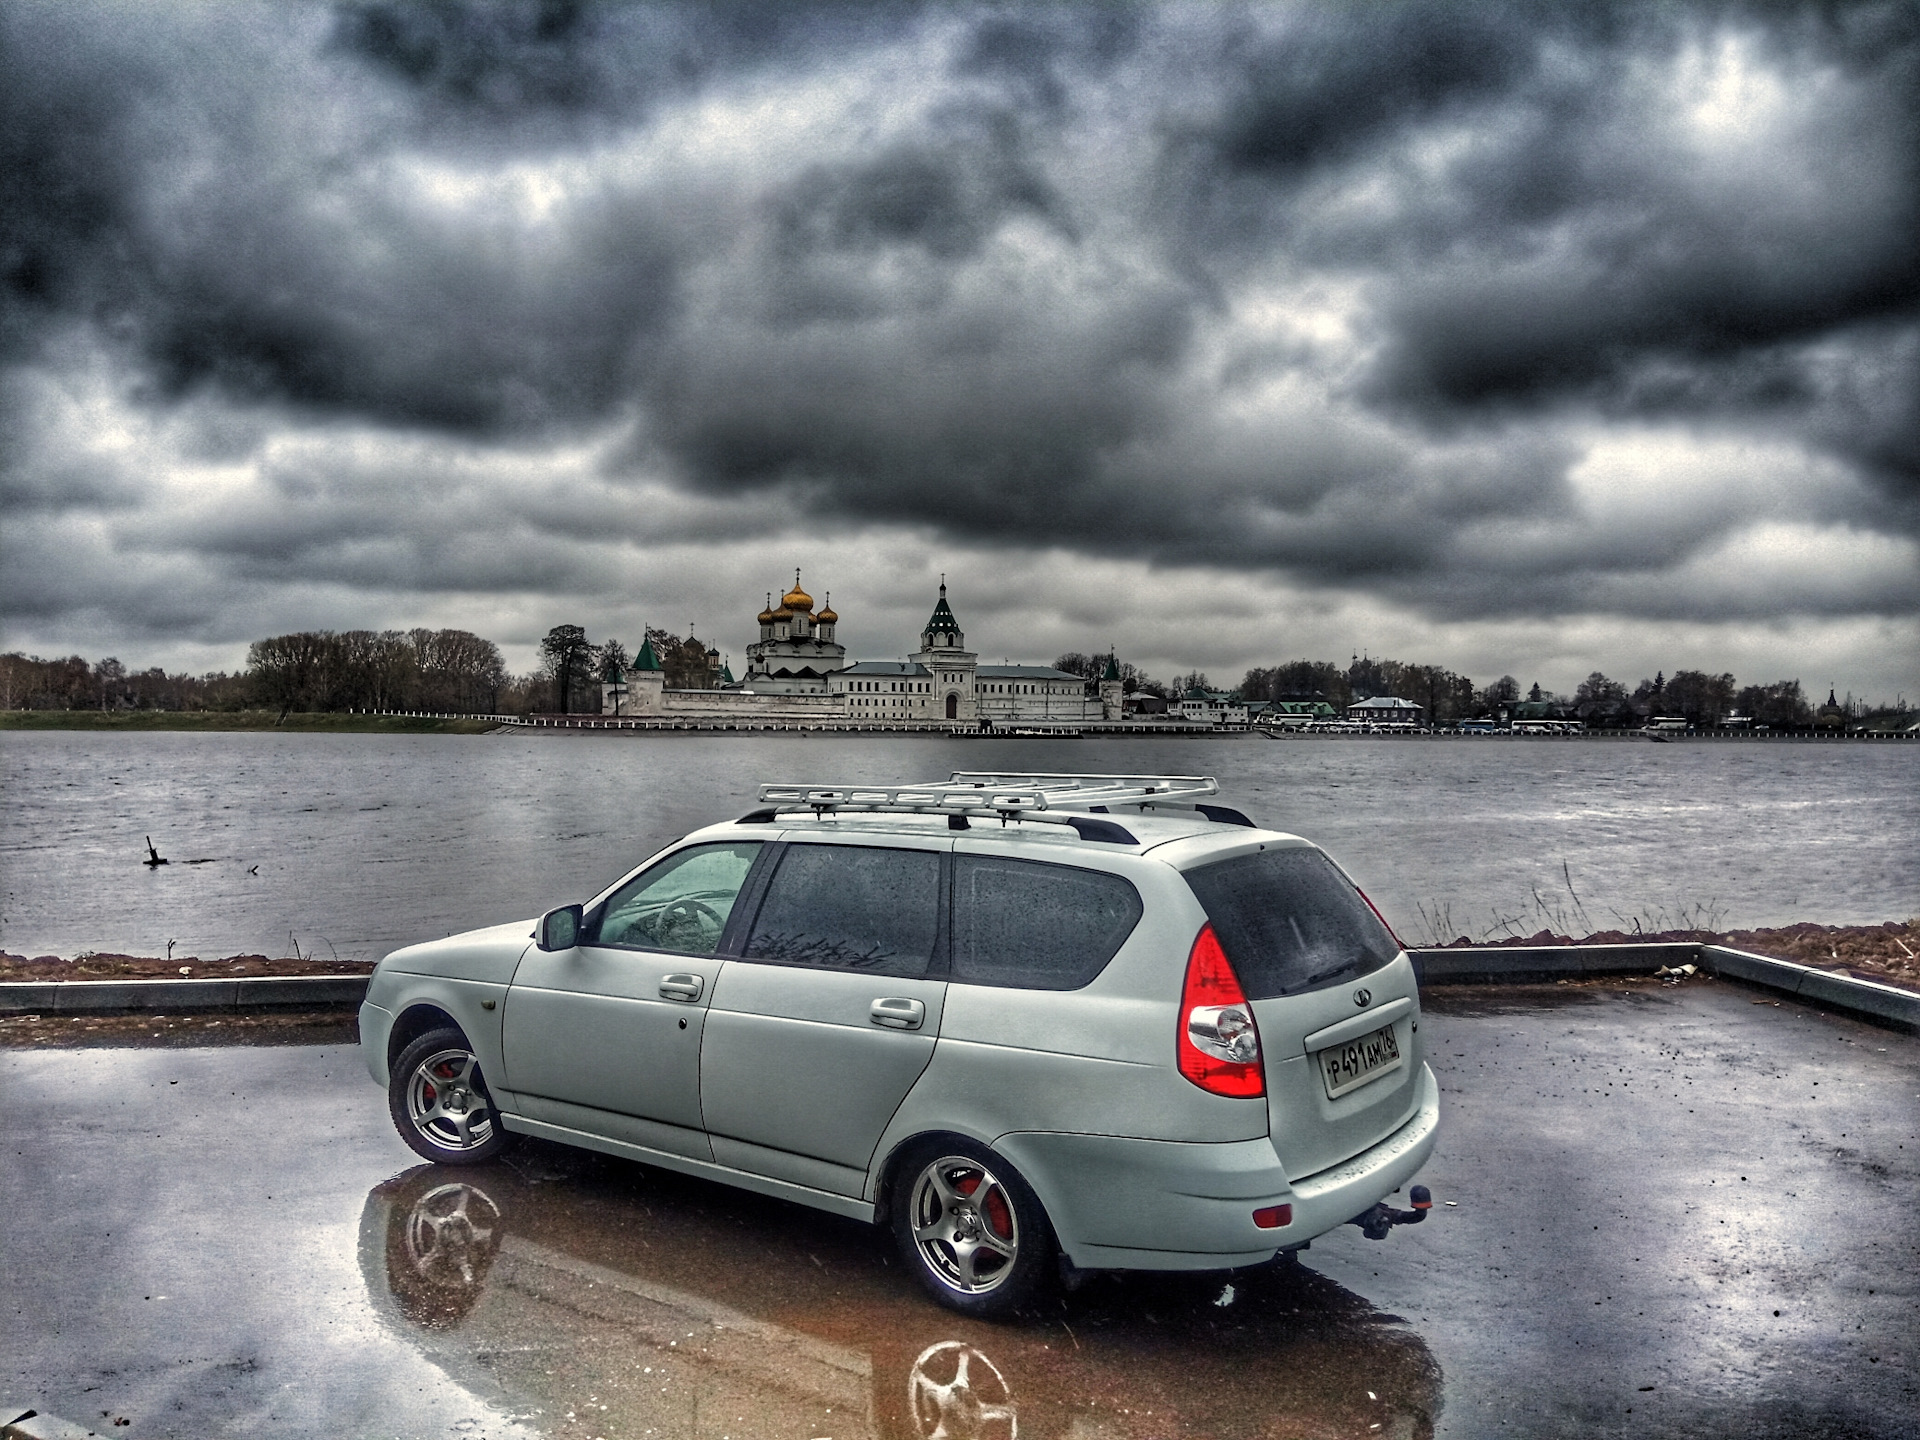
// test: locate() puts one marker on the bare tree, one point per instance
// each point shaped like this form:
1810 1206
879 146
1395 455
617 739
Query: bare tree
568 658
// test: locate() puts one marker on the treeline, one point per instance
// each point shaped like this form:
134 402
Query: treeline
573 667
448 671
439 671
1133 680
1694 695
29 683
1446 696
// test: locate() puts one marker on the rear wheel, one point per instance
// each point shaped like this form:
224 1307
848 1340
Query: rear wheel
971 1228
440 1102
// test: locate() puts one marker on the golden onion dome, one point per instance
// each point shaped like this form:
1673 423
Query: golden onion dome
796 598
826 615
767 615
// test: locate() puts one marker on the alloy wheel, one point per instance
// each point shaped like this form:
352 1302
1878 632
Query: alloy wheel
447 1103
964 1225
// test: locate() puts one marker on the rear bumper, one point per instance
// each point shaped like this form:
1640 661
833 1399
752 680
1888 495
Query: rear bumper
1117 1203
1335 1195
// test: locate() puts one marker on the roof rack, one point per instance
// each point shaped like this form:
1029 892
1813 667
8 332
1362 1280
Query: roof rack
1010 795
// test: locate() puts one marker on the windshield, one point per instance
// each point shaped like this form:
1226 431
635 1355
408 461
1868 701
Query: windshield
1290 921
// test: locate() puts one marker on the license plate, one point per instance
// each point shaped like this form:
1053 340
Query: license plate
1349 1066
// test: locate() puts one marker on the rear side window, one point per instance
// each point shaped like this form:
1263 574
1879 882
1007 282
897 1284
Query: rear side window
1290 921
850 907
1034 926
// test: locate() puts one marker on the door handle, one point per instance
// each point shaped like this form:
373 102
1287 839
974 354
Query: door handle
681 987
897 1013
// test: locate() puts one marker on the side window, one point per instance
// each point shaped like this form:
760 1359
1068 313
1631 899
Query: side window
850 907
1034 926
681 904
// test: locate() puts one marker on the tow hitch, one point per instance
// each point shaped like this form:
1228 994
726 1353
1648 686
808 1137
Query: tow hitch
1375 1223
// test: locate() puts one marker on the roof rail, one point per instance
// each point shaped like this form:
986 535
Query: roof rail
1010 795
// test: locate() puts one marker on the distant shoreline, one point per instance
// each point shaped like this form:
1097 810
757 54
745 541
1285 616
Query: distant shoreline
346 723
204 720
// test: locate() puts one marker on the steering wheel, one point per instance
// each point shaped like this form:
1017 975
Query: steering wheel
684 913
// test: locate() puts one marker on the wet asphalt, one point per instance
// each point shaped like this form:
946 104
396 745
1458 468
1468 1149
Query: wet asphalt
1676 1212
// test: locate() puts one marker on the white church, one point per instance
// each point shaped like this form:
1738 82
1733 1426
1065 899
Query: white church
798 670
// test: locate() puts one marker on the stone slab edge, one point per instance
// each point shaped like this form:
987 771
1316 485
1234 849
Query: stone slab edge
1497 964
158 997
1492 964
1900 1008
24 1423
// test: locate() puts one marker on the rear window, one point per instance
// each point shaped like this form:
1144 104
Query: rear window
850 907
1290 921
1033 926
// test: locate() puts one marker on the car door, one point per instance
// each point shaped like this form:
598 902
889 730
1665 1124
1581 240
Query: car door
605 1037
821 1026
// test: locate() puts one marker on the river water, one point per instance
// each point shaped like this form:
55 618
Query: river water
349 845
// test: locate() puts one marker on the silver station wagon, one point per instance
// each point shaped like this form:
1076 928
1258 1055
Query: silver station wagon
1035 1024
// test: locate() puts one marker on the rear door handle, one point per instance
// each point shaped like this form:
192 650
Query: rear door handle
681 987
897 1013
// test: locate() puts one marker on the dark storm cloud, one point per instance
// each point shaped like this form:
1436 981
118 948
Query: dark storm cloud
1342 77
1339 293
1580 255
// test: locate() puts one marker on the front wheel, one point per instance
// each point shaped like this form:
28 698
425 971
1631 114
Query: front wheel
971 1228
440 1102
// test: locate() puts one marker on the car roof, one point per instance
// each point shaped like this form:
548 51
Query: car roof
1149 831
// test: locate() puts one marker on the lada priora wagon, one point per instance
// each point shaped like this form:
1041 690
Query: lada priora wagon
1036 1024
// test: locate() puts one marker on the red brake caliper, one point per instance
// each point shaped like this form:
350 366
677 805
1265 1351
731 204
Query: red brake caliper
998 1215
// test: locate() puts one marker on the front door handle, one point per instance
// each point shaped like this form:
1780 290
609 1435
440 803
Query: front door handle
681 987
897 1013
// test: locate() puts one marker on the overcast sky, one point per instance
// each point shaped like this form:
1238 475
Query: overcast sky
1521 337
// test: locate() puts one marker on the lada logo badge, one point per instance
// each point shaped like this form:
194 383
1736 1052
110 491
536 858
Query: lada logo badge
1363 998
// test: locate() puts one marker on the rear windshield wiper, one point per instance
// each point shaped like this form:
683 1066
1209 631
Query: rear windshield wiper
1327 974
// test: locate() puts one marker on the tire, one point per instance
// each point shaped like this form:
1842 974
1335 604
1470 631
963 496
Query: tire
971 1228
440 1103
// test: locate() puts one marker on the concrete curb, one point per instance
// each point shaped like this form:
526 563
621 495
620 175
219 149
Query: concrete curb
159 997
1511 964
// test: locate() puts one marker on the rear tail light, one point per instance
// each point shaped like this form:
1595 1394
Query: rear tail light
1219 1044
1381 918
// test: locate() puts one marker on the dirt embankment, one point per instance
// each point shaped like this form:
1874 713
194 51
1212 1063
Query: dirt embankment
1888 953
92 966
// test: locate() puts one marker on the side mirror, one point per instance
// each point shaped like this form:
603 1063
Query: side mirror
560 929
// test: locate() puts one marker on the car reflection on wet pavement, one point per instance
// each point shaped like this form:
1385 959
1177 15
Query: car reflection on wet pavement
554 1284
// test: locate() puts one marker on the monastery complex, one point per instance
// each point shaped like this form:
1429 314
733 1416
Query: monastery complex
798 670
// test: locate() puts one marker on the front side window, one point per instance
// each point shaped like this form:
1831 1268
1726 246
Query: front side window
1290 921
850 907
680 905
1029 925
